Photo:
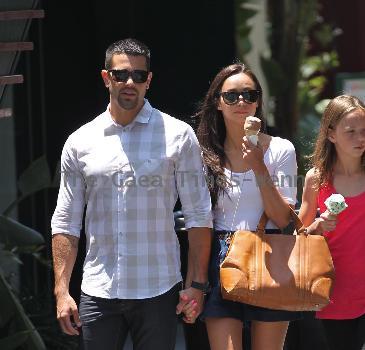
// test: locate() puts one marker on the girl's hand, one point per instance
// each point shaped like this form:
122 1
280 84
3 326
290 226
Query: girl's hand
327 222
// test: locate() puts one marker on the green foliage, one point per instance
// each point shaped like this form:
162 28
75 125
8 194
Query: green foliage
35 178
244 11
313 79
13 233
14 341
14 319
325 34
302 53
16 329
43 314
303 141
274 74
296 78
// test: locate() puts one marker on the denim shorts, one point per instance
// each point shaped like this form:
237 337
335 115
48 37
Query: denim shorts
216 306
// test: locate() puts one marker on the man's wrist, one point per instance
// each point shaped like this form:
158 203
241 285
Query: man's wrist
60 292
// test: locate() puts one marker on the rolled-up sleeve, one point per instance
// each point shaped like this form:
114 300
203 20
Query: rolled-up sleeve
191 183
68 215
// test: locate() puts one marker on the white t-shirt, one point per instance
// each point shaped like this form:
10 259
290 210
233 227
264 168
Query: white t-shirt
241 207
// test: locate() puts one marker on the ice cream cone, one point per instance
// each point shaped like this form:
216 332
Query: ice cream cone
252 128
335 204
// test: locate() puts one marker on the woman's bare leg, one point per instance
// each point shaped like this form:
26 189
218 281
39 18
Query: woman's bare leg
224 333
268 335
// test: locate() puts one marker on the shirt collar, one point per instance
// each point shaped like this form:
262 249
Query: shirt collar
142 117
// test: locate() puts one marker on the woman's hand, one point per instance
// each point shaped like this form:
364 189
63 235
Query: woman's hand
253 155
190 312
189 306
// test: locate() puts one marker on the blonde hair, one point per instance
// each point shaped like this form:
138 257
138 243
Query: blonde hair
324 155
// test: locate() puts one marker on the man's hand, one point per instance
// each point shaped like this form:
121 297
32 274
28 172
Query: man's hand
191 304
68 315
192 299
64 250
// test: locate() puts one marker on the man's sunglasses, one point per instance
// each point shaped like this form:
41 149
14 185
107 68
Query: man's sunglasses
122 75
232 97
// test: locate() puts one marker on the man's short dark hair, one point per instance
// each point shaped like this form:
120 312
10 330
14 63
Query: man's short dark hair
128 46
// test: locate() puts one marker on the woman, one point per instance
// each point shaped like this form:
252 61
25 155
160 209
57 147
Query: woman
245 180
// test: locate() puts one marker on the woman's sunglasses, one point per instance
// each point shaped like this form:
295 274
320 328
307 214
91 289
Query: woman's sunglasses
122 75
232 97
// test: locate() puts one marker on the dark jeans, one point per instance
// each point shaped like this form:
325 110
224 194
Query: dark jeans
345 334
151 322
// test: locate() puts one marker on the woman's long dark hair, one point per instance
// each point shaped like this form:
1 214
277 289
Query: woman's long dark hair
211 131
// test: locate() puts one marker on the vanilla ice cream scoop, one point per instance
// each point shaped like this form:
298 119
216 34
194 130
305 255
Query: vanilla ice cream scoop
252 128
335 203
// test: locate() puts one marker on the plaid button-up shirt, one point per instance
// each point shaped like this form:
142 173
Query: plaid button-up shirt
129 179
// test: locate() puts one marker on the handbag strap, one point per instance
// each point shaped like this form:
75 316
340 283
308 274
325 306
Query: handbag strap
299 228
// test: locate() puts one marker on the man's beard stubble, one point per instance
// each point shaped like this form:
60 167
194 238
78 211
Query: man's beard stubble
128 104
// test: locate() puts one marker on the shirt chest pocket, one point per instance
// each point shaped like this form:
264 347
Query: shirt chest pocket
154 172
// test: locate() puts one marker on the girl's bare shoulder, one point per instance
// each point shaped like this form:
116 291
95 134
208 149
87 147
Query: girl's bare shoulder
311 177
311 173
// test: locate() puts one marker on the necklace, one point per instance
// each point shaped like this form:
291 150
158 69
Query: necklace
239 189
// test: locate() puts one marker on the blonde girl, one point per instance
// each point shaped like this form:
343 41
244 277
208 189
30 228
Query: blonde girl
338 166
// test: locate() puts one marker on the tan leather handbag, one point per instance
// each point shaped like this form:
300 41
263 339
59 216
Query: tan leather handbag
278 271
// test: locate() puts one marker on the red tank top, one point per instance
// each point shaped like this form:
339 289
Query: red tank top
347 246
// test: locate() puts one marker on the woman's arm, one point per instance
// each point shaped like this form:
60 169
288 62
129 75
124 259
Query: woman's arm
275 206
274 202
308 209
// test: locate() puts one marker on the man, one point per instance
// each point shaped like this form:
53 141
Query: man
127 167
